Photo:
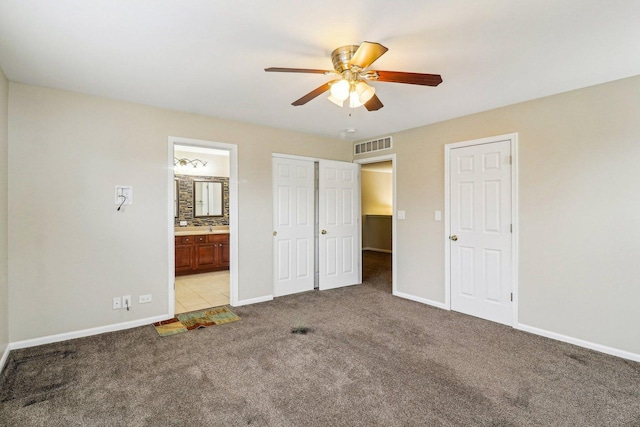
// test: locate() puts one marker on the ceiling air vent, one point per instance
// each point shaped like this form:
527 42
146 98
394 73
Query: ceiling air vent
373 145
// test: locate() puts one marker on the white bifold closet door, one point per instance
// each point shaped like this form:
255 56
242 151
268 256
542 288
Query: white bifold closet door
293 217
338 210
339 221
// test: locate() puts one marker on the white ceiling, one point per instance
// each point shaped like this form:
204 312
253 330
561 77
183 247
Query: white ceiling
208 57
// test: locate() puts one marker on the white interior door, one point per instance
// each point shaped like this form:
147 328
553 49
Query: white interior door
339 222
480 231
293 216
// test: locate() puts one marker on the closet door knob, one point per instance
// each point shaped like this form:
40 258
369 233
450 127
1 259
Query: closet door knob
275 233
324 231
454 237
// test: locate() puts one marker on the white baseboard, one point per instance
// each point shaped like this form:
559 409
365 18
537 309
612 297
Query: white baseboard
422 300
386 251
86 332
580 343
254 300
5 356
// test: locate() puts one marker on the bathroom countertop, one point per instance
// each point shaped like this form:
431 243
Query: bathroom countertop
193 231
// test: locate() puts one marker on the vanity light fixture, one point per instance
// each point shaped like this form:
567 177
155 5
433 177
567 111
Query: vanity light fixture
184 162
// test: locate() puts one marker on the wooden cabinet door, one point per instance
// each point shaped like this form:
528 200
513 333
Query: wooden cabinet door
221 244
184 258
195 254
206 256
223 252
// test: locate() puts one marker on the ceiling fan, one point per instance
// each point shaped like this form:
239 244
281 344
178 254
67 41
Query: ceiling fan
350 65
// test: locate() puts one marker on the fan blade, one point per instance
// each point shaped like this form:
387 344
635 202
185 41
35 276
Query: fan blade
373 104
313 94
297 70
409 78
366 54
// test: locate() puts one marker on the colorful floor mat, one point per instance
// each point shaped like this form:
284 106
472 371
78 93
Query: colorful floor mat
184 322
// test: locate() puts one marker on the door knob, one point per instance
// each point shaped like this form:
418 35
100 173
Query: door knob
275 233
324 231
454 237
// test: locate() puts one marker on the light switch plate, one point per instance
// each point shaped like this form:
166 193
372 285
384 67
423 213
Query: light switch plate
438 215
401 214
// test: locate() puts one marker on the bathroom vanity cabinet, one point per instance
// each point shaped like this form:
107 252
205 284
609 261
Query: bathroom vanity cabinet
201 253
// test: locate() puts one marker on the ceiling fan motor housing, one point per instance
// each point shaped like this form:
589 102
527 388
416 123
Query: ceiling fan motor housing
341 57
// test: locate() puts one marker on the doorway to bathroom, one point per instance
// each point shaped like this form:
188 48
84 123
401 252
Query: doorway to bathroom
378 222
203 229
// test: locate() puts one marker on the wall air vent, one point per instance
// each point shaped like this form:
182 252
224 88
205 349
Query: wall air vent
373 145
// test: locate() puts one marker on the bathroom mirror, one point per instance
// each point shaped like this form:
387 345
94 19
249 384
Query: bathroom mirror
207 198
176 199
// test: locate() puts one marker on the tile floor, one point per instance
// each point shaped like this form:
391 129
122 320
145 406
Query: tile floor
198 291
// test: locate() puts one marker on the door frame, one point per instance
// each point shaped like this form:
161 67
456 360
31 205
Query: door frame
394 234
233 215
513 140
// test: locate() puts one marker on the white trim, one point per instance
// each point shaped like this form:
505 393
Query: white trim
513 139
233 215
394 223
580 343
426 301
386 251
171 232
5 356
253 300
87 332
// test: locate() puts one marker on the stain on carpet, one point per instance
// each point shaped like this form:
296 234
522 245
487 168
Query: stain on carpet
579 359
522 398
301 330
36 378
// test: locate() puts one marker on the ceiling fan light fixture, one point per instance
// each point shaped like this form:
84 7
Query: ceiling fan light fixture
354 101
340 90
336 101
365 92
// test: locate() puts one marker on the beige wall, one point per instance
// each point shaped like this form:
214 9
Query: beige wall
377 199
4 143
377 232
70 252
579 209
377 193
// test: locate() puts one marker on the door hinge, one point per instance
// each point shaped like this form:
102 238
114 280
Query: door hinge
511 296
510 228
510 160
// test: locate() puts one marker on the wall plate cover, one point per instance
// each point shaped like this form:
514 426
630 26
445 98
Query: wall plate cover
124 192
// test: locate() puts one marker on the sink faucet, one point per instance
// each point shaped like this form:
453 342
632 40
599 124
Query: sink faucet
210 227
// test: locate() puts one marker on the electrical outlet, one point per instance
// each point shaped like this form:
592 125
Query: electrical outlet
117 303
144 298
126 301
